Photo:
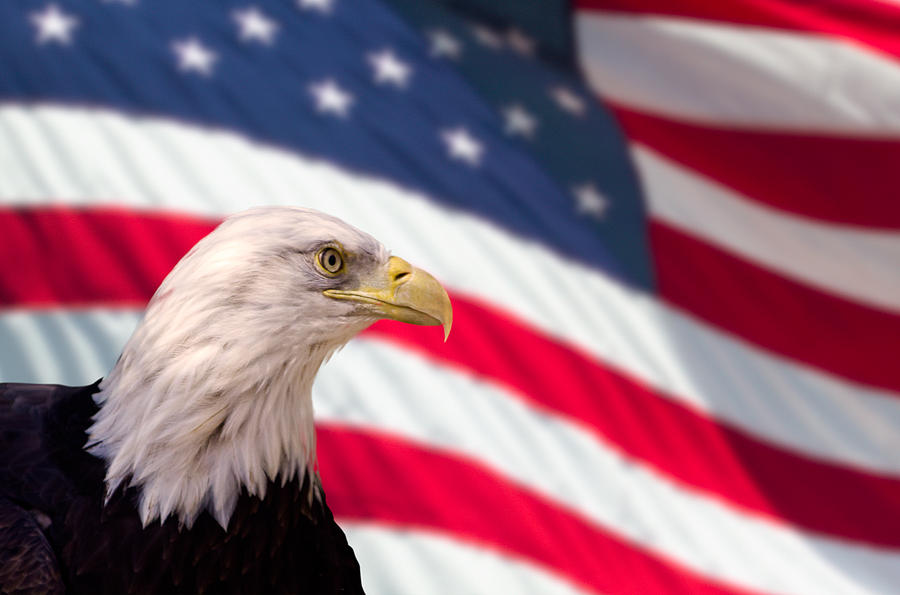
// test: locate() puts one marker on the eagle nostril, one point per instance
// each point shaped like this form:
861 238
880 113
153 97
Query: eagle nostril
400 276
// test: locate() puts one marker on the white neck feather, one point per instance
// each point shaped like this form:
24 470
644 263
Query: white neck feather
194 430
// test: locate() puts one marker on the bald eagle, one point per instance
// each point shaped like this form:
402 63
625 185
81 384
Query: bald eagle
190 467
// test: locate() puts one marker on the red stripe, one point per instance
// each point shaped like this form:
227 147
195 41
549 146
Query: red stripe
680 442
374 477
781 315
60 255
872 23
843 180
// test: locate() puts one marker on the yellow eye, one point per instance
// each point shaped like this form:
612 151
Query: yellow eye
330 260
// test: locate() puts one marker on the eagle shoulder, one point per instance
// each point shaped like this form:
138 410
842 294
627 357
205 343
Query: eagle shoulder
29 564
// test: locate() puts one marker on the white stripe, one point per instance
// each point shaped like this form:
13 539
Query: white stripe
399 392
72 347
739 75
83 157
415 562
857 264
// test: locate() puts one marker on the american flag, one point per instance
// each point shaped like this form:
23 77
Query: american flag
669 230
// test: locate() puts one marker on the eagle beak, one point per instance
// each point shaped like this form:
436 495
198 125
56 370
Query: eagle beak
402 292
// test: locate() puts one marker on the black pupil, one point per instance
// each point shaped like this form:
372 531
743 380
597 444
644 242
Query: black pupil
332 260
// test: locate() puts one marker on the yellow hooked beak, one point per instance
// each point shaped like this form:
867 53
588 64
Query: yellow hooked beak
402 292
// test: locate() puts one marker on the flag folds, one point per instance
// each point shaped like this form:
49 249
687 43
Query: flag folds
667 229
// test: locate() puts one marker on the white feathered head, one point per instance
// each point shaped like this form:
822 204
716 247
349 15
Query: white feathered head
213 390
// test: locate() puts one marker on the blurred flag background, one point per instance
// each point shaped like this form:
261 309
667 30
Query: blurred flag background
669 230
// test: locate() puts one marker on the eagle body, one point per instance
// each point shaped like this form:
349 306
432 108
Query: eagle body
191 467
57 534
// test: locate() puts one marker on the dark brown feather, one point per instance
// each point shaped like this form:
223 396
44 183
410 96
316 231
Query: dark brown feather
27 562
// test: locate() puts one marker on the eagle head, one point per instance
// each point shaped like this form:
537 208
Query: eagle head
212 392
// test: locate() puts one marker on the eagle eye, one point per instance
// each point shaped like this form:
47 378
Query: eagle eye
330 260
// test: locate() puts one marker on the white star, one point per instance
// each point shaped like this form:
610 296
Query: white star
54 25
323 6
487 37
569 101
590 201
194 56
444 45
330 98
463 146
254 25
389 69
519 121
520 42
